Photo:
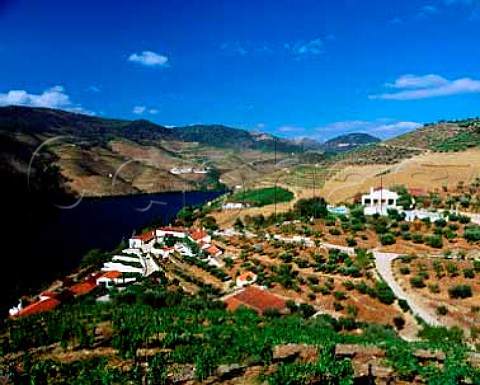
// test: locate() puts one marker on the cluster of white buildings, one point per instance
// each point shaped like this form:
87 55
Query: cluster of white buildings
149 243
188 170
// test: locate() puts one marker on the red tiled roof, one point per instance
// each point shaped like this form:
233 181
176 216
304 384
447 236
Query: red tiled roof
248 275
82 288
212 250
39 307
416 191
198 234
112 274
51 294
170 228
146 237
255 298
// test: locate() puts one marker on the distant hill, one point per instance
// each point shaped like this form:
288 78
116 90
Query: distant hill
348 142
223 136
442 136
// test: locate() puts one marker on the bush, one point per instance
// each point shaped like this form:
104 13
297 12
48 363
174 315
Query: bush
434 288
337 306
405 270
472 233
351 242
334 231
399 323
339 295
469 273
384 293
417 238
404 305
417 281
460 291
434 241
387 239
442 310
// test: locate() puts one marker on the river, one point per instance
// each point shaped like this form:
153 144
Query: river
44 249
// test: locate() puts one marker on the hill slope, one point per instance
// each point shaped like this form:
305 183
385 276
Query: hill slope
348 142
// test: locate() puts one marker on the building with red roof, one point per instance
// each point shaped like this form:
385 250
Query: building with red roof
255 298
109 279
137 241
38 307
169 231
198 236
82 288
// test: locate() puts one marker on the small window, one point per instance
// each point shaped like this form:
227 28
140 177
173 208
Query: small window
390 201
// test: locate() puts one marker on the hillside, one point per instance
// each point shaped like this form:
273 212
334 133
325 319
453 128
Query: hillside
348 142
101 157
444 136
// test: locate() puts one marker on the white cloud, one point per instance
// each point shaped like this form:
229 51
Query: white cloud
379 127
427 10
306 48
290 129
94 89
140 110
428 86
54 97
149 59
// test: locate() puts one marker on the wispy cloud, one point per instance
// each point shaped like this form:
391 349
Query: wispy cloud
291 129
246 47
427 10
149 59
55 97
93 88
304 48
141 110
380 127
428 86
298 49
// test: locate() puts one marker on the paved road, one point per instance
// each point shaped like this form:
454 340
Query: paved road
383 263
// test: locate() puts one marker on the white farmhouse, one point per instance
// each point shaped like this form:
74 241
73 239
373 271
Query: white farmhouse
137 241
177 232
379 200
234 205
246 278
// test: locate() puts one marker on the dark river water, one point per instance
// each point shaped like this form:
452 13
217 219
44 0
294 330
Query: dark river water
44 249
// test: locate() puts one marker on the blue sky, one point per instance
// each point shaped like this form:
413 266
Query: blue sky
288 67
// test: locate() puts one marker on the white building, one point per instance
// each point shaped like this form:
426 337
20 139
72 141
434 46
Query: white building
246 278
234 205
177 232
137 241
379 201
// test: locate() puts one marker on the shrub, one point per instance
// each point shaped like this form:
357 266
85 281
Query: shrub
417 238
349 285
417 281
384 293
334 231
460 291
452 269
339 295
434 241
442 310
403 305
469 273
399 323
338 306
434 288
405 270
351 242
476 265
387 239
472 233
